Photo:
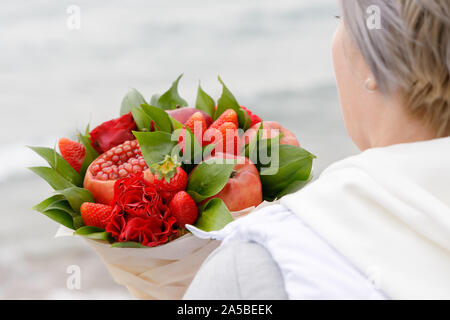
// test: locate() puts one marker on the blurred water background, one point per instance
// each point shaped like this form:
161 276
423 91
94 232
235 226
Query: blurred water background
273 55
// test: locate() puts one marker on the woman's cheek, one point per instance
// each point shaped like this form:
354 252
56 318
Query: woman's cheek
340 70
346 74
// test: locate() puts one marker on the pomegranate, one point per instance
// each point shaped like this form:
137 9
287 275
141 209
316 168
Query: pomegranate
287 136
117 163
244 189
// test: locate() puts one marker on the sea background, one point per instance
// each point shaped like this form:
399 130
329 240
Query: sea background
275 56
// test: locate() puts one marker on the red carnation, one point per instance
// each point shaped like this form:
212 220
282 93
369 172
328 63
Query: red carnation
116 223
151 231
112 133
139 213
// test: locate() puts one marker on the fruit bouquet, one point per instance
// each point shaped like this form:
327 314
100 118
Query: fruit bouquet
131 185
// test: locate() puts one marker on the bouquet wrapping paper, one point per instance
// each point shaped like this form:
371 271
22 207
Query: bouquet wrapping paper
160 273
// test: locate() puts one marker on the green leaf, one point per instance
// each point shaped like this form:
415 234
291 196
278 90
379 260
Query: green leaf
208 179
143 121
294 187
171 99
260 151
78 222
53 178
251 149
129 244
214 215
105 236
155 145
228 101
61 217
63 205
57 162
91 153
294 166
154 100
175 123
93 233
204 102
47 207
159 116
132 99
192 151
48 202
76 197
207 150
88 230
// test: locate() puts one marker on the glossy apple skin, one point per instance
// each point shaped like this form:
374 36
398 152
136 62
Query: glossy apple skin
287 138
103 191
244 189
182 115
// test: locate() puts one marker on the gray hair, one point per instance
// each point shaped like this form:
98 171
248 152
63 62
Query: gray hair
410 53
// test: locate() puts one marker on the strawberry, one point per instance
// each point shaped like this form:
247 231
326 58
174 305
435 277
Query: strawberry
184 209
73 152
228 116
169 177
197 124
253 117
95 214
225 137
227 128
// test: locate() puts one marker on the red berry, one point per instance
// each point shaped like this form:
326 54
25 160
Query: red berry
170 177
95 214
177 183
73 152
184 209
228 116
225 137
197 124
227 129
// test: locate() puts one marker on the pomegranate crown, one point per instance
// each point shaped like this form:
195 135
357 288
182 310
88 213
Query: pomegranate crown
167 168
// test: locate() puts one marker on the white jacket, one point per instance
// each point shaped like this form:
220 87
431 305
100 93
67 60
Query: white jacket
372 226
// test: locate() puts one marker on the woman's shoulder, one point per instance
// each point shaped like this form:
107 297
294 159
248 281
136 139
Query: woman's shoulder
238 271
230 272
279 243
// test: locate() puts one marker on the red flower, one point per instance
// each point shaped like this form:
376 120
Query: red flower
151 231
253 117
115 224
139 213
112 133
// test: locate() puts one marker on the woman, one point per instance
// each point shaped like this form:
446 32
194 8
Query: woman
373 226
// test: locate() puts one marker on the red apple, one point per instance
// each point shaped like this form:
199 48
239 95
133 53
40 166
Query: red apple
244 189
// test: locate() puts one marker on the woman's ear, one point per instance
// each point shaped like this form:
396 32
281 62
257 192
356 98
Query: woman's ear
371 85
358 89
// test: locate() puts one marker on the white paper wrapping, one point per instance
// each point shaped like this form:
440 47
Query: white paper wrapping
159 273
